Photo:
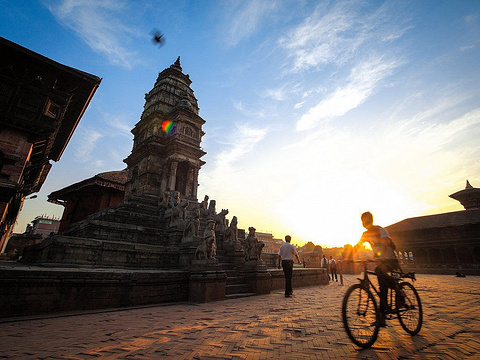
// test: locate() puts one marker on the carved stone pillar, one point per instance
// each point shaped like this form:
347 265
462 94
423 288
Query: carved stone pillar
195 183
190 180
173 175
164 182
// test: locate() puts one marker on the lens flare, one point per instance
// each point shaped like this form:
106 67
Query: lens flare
167 127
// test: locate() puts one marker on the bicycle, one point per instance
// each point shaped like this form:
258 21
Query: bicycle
361 314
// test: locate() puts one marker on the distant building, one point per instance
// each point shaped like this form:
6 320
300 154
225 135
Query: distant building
39 228
41 104
272 246
43 225
449 239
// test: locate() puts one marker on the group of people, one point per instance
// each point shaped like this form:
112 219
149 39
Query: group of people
383 251
331 266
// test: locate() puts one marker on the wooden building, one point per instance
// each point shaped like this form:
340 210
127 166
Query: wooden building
41 103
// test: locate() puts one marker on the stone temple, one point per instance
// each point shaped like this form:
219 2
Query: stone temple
160 243
160 216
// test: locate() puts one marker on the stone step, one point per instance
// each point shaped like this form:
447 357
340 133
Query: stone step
240 295
231 272
225 264
237 289
137 211
235 280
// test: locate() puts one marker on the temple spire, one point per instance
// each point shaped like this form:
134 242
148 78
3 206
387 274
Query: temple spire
177 65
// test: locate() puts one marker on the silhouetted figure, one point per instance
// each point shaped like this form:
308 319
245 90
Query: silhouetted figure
324 265
286 253
384 252
332 266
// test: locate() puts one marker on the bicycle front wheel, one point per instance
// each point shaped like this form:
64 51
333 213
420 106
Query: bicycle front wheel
409 308
359 316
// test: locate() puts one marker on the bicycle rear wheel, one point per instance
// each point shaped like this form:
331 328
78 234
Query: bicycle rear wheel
359 316
409 309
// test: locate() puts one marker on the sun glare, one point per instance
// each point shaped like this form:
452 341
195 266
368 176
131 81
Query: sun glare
367 246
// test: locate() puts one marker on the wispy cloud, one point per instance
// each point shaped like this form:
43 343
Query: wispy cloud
363 82
322 37
225 173
238 104
472 30
243 19
118 125
86 143
98 24
299 104
241 142
275 94
336 34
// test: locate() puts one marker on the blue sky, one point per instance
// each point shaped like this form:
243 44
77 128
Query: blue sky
315 110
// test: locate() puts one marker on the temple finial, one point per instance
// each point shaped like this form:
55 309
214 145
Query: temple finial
177 65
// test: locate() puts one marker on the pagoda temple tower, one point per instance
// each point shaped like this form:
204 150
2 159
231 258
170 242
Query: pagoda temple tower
468 197
166 150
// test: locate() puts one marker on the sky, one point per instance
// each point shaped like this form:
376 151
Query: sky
315 111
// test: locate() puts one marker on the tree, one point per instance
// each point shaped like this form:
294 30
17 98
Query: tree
309 247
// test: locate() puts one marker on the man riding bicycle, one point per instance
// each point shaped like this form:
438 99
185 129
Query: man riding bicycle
383 250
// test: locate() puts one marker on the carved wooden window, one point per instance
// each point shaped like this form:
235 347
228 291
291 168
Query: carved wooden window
52 110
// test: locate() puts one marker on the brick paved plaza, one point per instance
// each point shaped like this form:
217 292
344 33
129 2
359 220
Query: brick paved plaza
306 326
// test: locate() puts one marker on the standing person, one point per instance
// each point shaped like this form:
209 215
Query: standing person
384 253
332 265
286 253
324 264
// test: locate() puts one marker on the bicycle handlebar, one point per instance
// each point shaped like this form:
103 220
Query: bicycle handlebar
400 274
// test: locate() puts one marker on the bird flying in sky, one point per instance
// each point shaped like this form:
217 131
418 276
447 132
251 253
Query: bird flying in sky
158 37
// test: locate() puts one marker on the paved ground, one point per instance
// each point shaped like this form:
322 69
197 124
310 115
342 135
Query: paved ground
306 326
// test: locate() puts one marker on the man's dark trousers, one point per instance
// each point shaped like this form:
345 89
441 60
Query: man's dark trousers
287 266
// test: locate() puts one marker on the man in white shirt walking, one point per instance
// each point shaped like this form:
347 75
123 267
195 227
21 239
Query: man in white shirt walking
286 253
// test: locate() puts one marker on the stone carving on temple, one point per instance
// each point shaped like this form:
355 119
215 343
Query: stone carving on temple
208 249
164 200
174 199
231 243
231 232
203 206
220 220
192 226
178 214
211 211
253 247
